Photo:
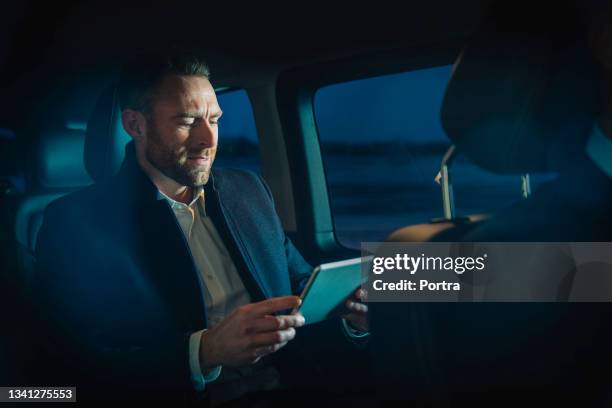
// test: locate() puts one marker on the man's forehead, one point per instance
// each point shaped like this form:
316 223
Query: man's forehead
186 92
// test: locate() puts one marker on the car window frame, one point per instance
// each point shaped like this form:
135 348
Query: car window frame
295 94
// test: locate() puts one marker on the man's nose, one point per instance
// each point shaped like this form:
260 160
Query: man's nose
205 135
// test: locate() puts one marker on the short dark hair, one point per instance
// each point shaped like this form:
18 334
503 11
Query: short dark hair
142 73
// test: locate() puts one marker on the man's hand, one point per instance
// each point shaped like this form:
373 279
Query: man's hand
358 311
249 333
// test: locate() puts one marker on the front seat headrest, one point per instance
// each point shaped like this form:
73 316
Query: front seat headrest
105 137
522 94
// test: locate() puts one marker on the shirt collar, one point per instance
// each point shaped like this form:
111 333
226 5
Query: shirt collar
198 194
599 149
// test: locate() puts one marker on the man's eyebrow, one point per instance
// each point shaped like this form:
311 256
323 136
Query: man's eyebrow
198 115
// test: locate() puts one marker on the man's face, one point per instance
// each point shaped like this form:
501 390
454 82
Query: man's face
182 129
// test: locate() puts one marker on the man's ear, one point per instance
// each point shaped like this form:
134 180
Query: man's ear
134 123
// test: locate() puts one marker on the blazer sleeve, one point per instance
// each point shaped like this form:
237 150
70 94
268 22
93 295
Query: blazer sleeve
299 272
80 339
299 269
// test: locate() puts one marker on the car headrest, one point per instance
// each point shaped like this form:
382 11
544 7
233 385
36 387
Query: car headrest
522 94
60 159
105 138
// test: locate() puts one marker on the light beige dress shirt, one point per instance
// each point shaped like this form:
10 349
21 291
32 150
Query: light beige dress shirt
222 286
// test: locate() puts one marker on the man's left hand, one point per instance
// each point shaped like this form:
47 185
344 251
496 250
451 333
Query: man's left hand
357 315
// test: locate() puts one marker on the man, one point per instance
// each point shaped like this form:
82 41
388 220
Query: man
171 276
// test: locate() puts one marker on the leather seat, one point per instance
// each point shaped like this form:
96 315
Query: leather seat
59 169
105 138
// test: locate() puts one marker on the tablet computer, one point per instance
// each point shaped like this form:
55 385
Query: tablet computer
328 287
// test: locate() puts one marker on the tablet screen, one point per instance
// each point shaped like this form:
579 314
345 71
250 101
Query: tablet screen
329 286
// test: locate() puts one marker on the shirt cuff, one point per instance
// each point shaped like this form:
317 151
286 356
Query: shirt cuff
352 333
199 378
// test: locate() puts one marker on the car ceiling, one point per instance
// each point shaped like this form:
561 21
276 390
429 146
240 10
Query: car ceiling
41 47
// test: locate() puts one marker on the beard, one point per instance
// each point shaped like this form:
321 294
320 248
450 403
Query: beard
174 160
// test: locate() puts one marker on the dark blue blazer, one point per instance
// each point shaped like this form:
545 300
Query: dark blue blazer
118 291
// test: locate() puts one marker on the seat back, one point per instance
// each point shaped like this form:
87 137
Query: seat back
522 94
59 169
105 139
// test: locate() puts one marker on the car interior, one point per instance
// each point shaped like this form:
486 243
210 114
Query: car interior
369 126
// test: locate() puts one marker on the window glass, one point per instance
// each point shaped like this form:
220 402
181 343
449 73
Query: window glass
382 144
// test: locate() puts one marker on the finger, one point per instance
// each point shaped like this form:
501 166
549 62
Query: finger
360 307
356 306
266 339
361 294
272 305
262 351
273 323
300 319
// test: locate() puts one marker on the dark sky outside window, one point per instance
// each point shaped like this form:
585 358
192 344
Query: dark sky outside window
377 109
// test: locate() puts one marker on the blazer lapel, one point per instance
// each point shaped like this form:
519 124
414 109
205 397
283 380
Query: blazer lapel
231 235
162 247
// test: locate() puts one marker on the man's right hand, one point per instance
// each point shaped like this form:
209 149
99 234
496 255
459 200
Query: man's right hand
249 333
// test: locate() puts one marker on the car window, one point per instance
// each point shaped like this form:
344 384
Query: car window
238 143
382 144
